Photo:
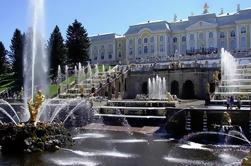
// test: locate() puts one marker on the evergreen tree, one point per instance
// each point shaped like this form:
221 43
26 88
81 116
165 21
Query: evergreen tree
3 61
17 47
77 43
57 51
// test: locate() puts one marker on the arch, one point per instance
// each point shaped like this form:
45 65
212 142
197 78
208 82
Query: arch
188 90
144 88
175 88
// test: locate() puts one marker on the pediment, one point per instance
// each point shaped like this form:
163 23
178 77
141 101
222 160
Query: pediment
201 25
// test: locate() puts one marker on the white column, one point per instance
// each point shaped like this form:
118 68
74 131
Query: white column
136 47
98 56
127 49
249 35
227 34
179 40
155 46
237 37
207 42
114 52
215 39
196 40
188 41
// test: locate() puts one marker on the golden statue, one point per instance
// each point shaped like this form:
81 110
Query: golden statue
34 106
226 119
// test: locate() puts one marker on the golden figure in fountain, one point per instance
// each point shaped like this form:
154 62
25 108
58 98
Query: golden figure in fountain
34 105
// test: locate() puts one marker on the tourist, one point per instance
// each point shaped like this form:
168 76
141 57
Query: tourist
228 102
250 102
93 89
238 104
231 102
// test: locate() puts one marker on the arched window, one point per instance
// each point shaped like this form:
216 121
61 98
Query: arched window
243 43
243 30
201 36
139 41
161 38
139 50
192 37
152 39
130 41
175 39
145 50
233 44
152 49
211 35
102 55
183 39
232 33
145 40
222 35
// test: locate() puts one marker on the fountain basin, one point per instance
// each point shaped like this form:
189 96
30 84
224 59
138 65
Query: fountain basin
27 138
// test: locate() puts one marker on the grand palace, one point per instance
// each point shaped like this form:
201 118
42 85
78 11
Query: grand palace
159 41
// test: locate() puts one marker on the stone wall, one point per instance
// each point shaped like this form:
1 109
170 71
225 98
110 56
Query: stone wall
198 76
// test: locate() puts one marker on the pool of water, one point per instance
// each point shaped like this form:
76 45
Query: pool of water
107 148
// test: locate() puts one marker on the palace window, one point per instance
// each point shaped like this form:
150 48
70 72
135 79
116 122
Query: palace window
145 50
102 55
243 42
161 48
201 36
95 58
110 56
120 54
139 41
152 39
243 30
192 37
233 44
130 42
119 44
145 40
175 39
211 35
152 49
161 38
130 51
222 35
183 39
232 33
139 50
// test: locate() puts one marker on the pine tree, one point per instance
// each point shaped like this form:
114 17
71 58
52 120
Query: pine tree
17 47
3 61
77 43
57 51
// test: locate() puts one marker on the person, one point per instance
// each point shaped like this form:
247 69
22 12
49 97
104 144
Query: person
238 104
250 101
228 102
93 89
231 102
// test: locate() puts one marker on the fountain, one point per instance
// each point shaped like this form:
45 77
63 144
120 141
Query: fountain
157 88
234 78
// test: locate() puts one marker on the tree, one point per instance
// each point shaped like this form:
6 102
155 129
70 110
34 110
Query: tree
56 50
77 43
17 47
3 60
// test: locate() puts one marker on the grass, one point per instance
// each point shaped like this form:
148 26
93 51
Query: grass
6 81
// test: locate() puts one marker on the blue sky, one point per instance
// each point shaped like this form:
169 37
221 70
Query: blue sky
102 16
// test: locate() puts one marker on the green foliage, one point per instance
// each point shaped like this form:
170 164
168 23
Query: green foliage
3 54
56 51
77 43
17 47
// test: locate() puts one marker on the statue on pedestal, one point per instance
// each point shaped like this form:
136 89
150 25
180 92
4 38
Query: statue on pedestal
34 105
